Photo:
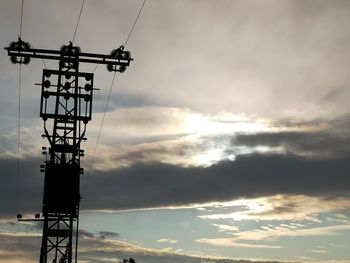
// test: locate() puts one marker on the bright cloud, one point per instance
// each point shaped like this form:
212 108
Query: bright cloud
230 242
271 234
275 232
281 207
224 228
182 137
166 240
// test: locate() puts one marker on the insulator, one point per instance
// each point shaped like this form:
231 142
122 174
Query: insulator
44 152
126 55
19 216
42 170
70 50
116 53
110 67
43 148
37 216
122 69
88 87
19 46
47 83
46 94
42 166
67 85
26 60
13 59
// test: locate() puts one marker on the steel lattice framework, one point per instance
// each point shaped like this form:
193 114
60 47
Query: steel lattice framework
66 108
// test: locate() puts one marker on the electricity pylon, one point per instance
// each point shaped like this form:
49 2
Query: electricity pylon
66 108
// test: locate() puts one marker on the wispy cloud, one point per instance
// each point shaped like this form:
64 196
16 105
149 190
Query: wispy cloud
94 249
166 240
231 242
318 251
271 234
276 232
282 207
225 228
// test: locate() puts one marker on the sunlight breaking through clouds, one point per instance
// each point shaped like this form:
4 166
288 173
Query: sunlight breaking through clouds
176 136
280 207
183 137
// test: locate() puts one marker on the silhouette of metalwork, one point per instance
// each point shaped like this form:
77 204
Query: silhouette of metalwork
66 108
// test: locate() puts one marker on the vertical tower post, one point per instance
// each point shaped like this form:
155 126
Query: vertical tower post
66 108
66 97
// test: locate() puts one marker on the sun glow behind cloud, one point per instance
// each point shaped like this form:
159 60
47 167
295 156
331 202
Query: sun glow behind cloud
171 135
177 136
222 123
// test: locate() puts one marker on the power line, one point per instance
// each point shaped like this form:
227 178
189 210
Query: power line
96 66
19 152
131 30
21 23
19 137
19 131
133 26
100 130
76 27
109 95
44 63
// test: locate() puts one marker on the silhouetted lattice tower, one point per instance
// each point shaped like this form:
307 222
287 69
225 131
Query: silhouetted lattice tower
66 108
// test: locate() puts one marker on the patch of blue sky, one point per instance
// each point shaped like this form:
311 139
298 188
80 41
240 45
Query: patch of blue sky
183 226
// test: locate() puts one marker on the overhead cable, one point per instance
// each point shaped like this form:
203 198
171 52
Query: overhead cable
76 27
131 30
110 90
133 26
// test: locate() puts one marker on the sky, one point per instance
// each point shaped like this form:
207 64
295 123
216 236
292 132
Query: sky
225 141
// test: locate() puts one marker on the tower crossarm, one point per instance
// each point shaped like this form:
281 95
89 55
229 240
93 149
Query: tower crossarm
21 52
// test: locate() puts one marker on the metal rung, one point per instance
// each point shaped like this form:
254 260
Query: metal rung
58 232
64 128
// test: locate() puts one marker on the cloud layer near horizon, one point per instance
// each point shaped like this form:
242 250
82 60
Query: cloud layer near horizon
241 157
93 248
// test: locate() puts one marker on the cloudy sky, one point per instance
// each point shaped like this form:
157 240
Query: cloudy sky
226 141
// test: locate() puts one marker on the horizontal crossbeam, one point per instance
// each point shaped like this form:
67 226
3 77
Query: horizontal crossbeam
21 52
81 57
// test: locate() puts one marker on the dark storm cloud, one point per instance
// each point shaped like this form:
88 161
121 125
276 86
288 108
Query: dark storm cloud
29 186
314 163
155 185
151 183
318 144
